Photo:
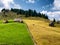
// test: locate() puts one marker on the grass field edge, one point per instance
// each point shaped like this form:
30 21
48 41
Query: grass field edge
30 33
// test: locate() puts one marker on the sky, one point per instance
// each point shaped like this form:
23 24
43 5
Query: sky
48 7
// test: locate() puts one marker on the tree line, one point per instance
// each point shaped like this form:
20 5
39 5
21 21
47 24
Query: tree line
27 13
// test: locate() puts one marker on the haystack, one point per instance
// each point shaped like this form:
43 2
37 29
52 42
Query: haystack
18 20
5 21
51 24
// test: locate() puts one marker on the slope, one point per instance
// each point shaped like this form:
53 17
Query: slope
41 33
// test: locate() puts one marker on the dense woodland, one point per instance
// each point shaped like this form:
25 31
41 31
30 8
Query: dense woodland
26 13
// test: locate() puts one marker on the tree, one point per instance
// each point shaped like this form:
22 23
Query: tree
4 12
4 15
46 17
29 13
35 13
26 14
39 14
54 20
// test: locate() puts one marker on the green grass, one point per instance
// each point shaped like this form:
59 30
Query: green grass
14 34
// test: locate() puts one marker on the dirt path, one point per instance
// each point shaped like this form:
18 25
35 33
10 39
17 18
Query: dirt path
42 33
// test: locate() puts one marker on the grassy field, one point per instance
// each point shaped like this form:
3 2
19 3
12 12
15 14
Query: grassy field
14 34
42 33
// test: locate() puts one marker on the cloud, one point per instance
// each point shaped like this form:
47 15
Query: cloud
56 5
44 12
46 6
7 4
52 15
56 11
30 1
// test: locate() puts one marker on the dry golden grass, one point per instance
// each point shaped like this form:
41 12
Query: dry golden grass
42 33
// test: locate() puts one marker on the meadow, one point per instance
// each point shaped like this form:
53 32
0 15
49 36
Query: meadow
14 33
42 33
34 31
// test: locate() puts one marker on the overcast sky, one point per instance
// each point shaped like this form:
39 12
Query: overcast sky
48 7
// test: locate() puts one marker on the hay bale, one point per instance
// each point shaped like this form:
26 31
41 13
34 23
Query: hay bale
5 21
21 21
51 24
18 20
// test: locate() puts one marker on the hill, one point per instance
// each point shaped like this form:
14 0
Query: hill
39 28
42 33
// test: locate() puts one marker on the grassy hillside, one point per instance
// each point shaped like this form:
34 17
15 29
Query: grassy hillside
14 34
42 33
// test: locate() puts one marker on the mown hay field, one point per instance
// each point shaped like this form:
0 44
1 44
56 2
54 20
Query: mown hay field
41 32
